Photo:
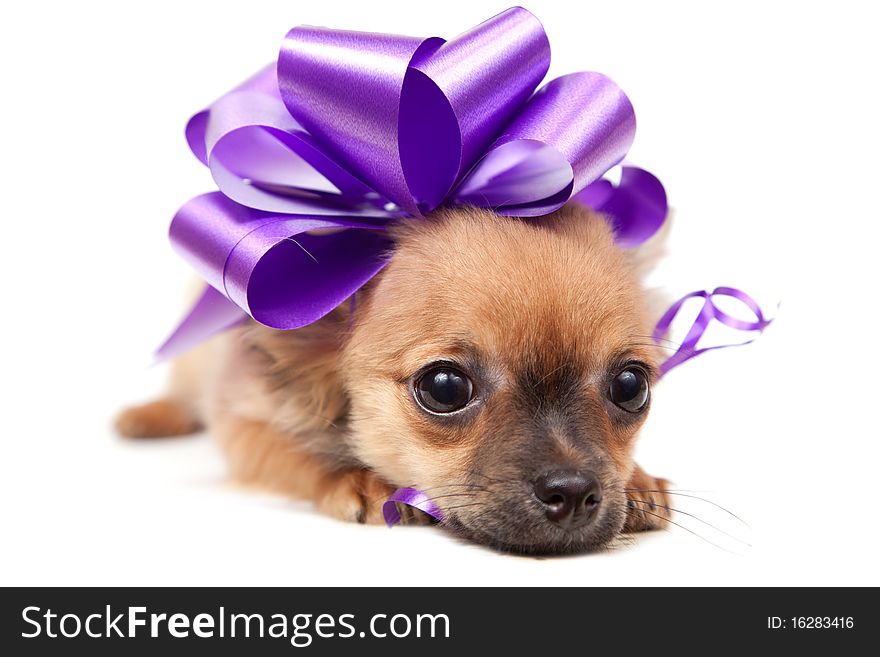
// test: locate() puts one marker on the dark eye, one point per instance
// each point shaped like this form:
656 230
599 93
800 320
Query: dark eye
443 390
629 389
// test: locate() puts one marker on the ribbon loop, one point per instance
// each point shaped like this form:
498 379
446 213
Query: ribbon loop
447 118
270 265
571 132
345 88
637 206
262 158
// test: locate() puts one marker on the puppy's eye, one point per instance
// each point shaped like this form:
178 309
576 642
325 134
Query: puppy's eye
629 389
443 390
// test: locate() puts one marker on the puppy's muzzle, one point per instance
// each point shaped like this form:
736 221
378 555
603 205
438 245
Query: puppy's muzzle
570 498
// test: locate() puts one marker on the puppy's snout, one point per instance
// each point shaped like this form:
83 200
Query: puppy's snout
570 497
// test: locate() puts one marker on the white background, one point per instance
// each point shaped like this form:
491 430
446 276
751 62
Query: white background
761 119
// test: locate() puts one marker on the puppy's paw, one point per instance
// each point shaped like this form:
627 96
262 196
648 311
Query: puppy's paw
158 419
354 496
647 502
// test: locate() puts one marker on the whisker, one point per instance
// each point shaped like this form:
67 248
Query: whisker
463 506
477 517
487 477
696 497
304 249
449 509
330 423
467 486
653 339
687 490
549 374
654 344
448 495
690 531
698 519
621 540
458 493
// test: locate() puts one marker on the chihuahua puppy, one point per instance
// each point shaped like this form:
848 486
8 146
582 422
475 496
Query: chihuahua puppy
503 366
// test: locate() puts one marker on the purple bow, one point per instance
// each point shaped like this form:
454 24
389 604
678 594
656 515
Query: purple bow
353 130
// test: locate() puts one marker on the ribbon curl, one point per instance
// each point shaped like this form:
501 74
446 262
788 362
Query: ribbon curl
411 497
313 157
709 312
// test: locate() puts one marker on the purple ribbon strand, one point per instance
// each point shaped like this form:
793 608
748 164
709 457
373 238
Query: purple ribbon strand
708 313
410 497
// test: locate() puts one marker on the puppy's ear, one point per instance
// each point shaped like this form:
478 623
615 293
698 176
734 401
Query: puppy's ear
300 370
645 257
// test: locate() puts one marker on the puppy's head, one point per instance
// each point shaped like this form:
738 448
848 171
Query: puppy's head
504 367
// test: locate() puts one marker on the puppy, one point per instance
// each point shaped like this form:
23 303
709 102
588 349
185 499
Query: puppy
503 366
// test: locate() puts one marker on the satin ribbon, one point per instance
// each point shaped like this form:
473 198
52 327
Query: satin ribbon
708 313
314 155
411 497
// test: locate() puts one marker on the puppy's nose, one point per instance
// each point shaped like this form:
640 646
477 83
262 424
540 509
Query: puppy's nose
570 497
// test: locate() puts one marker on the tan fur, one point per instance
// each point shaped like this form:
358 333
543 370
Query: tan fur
158 419
326 412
